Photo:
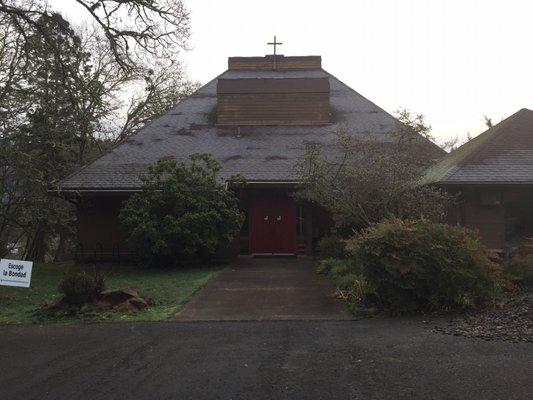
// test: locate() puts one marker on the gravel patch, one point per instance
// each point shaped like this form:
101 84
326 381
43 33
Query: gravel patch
511 322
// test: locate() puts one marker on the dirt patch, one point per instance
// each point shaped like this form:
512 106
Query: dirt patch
511 322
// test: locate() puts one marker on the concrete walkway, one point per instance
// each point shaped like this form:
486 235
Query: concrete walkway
266 289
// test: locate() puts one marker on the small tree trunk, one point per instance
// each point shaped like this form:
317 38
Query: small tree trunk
60 248
36 250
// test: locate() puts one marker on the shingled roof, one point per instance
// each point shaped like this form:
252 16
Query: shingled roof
501 155
259 153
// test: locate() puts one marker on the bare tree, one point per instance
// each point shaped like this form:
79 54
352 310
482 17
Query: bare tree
157 28
361 180
161 88
450 145
62 91
487 121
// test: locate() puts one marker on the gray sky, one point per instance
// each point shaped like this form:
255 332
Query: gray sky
451 60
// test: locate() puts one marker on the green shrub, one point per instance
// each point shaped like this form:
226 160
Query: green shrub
324 267
340 268
183 210
331 247
418 266
334 267
350 285
346 281
354 290
83 285
519 270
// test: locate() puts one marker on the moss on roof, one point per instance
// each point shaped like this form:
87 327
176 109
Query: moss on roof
453 161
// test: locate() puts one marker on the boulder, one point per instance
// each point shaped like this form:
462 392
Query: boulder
127 307
118 296
138 302
131 306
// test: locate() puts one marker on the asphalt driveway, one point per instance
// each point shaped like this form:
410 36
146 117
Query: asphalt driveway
259 289
368 359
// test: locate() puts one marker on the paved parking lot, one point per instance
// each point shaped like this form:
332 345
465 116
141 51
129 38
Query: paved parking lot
368 359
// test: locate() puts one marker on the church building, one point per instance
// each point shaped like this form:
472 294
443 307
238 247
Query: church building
255 120
492 177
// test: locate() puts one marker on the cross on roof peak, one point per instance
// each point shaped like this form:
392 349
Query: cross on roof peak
275 43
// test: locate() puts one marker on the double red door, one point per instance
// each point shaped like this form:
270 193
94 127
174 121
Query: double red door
272 225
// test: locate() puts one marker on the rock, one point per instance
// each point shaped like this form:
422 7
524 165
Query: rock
102 304
126 308
126 300
118 296
512 322
131 306
138 302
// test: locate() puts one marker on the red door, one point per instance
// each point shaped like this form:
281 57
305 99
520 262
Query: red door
272 226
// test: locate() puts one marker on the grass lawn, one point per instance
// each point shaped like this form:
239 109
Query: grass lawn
170 288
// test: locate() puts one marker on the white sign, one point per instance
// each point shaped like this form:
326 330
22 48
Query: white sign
15 273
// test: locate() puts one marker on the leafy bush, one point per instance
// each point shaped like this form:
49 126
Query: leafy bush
334 267
324 267
183 209
418 266
519 270
351 286
332 247
354 290
83 285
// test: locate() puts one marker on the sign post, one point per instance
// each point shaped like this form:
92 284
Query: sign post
15 273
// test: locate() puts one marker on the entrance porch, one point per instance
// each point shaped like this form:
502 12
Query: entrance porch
278 222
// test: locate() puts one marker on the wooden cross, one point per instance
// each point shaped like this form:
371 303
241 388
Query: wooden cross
275 43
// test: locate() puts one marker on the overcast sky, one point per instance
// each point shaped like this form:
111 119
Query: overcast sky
451 60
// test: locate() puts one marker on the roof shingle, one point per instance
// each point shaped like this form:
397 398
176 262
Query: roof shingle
259 153
501 155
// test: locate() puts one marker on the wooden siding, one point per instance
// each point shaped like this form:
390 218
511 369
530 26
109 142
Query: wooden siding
281 62
273 101
501 214
285 85
99 234
489 221
101 239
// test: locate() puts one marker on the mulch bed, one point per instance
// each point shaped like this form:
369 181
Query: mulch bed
513 321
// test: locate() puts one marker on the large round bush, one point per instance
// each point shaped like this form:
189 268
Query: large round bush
332 246
423 266
182 210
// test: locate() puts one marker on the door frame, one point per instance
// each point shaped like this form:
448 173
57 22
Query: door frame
276 196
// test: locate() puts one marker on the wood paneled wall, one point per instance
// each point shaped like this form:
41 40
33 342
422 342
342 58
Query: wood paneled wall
301 101
269 63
